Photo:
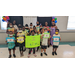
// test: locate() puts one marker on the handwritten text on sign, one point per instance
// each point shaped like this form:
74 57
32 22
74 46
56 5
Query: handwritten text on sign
32 41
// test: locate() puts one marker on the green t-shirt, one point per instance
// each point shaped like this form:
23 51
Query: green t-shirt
11 45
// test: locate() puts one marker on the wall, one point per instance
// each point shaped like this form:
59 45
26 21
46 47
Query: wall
3 38
62 25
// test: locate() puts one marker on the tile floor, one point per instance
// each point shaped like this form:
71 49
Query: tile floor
64 51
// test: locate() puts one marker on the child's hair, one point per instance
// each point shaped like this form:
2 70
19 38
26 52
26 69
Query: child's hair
10 23
57 29
26 25
30 23
23 26
45 29
10 32
32 31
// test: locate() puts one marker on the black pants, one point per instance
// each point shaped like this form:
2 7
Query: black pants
31 50
21 46
38 46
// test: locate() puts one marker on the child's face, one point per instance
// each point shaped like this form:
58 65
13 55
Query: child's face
11 25
11 34
33 33
45 30
34 28
56 32
37 22
23 28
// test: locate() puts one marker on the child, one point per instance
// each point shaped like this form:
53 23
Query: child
56 39
32 34
44 43
21 44
31 28
11 45
41 31
37 26
24 32
27 29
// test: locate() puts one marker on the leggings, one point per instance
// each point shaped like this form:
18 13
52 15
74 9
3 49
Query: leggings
21 47
31 50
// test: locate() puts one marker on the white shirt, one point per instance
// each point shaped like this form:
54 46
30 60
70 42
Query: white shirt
16 27
45 41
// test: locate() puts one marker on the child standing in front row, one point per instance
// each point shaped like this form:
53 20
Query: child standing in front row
11 45
44 43
21 44
56 40
32 34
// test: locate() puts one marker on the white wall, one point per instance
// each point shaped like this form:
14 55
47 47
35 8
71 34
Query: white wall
62 25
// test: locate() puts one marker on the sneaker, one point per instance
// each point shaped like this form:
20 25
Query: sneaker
10 56
14 55
35 55
55 53
29 56
52 53
41 54
45 54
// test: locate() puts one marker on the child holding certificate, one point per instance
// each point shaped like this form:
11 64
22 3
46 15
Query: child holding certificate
56 40
20 40
11 44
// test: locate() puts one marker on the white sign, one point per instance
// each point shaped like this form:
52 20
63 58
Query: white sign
56 39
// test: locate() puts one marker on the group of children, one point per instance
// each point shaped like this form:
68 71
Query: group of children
23 31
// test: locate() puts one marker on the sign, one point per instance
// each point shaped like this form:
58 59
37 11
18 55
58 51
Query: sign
46 35
32 41
8 39
20 39
56 38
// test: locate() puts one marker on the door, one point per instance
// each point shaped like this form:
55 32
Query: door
18 19
42 20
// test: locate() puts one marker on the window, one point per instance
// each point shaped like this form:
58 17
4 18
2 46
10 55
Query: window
71 23
3 24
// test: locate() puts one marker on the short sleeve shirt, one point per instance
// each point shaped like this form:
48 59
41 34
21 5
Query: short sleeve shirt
11 45
56 39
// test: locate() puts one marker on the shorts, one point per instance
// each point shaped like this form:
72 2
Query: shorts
12 49
43 47
55 46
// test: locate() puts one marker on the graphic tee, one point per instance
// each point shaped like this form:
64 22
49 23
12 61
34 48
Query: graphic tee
44 41
56 39
11 44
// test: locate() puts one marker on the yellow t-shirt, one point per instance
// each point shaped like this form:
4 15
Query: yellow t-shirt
20 34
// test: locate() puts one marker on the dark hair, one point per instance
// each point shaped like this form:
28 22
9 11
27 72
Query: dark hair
26 25
45 29
30 23
57 29
32 31
40 29
20 27
9 23
11 31
23 26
